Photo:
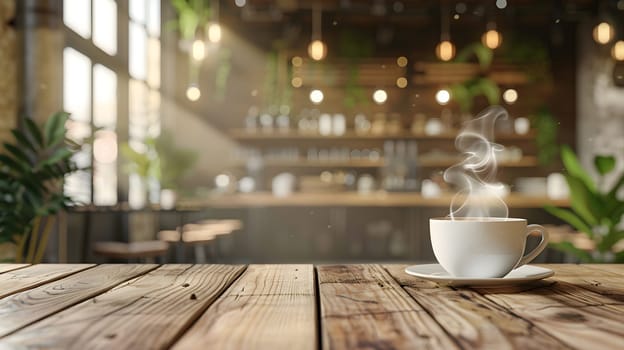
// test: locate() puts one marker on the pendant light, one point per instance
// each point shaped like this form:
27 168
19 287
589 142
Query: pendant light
445 50
617 52
317 48
603 32
213 29
492 38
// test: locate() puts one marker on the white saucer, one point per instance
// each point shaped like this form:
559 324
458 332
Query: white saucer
435 273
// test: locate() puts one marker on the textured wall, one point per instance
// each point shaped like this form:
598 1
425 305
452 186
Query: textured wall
8 69
600 128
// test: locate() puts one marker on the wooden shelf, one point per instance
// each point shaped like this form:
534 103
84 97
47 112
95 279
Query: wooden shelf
350 199
243 135
525 162
304 163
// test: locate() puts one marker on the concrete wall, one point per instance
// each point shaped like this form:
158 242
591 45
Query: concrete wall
8 69
600 104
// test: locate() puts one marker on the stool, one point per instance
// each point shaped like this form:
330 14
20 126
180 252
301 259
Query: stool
200 234
143 251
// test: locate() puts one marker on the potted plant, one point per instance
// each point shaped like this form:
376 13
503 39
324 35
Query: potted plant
595 212
142 164
174 164
32 170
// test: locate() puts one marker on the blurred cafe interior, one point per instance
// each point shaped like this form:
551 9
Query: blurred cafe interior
289 131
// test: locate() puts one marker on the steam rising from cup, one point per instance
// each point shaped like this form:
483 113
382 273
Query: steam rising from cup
474 177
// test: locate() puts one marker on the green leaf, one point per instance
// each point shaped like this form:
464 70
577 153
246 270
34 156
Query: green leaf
583 200
610 240
490 90
23 140
571 218
619 257
613 192
34 130
54 128
18 154
568 247
58 156
11 163
574 168
604 164
484 55
461 95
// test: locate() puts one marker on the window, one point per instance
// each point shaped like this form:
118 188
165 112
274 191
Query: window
92 73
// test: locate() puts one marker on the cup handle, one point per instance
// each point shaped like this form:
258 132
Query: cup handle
535 252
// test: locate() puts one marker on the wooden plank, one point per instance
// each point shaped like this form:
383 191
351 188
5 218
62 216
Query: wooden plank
576 316
22 309
610 268
29 277
148 312
268 307
472 320
363 307
593 278
10 267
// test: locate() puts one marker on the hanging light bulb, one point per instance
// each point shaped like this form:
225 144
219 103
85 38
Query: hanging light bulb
603 33
193 93
198 50
214 33
316 96
445 49
443 96
617 52
492 38
317 48
380 96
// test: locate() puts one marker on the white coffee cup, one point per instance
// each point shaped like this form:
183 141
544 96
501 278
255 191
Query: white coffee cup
483 247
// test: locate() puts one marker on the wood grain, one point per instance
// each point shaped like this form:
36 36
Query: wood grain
22 309
148 312
29 277
10 267
268 307
363 307
569 311
472 320
610 268
592 277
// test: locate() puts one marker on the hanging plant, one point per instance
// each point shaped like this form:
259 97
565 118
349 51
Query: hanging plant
464 93
354 46
192 15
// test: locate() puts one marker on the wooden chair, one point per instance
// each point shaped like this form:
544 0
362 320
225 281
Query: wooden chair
145 251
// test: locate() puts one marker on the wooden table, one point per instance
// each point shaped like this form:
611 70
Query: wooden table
302 307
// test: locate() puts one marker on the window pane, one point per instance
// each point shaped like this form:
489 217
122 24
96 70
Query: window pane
139 104
153 128
77 85
153 17
77 16
137 52
105 25
78 184
105 97
105 168
153 63
137 11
